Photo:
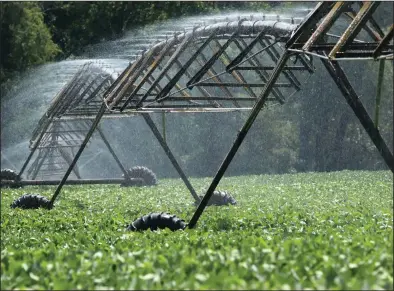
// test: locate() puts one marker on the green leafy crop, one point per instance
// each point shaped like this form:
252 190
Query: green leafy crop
299 231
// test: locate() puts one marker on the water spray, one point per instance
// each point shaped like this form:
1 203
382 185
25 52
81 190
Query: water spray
274 39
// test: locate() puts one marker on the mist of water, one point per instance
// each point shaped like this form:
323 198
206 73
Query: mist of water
31 94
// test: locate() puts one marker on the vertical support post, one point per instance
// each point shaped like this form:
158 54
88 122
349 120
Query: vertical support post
111 150
241 136
163 119
379 92
78 154
339 77
169 154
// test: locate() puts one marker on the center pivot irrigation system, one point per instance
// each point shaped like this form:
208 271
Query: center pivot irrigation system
229 66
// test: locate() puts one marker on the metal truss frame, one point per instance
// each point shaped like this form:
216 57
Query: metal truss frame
212 59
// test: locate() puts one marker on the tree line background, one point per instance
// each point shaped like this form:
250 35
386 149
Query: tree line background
315 131
37 32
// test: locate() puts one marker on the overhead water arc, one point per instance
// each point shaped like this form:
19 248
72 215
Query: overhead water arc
32 93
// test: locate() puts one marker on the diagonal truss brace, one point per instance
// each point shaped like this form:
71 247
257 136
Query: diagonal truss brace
169 154
197 77
354 28
326 24
35 146
169 64
385 41
78 154
94 127
348 92
183 69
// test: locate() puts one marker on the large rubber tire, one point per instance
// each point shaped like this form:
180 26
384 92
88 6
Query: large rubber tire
153 221
10 175
143 173
219 198
30 201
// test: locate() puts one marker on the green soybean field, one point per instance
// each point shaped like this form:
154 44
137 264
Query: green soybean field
295 231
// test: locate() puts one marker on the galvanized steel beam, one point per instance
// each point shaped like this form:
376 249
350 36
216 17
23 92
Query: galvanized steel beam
354 28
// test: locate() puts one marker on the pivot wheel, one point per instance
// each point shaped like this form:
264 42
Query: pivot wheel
153 221
145 177
219 198
30 201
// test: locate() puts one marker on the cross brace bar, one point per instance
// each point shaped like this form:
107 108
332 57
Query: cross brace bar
108 145
307 26
326 24
250 85
354 28
169 154
270 68
183 69
165 69
385 41
197 77
230 67
263 75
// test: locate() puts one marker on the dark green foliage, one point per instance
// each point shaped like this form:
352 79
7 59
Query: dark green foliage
27 28
316 231
153 221
132 183
30 201
77 24
25 38
36 32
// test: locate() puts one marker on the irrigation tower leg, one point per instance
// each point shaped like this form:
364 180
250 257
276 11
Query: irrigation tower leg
27 161
111 150
68 159
33 149
241 136
341 80
39 164
169 154
78 154
379 92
